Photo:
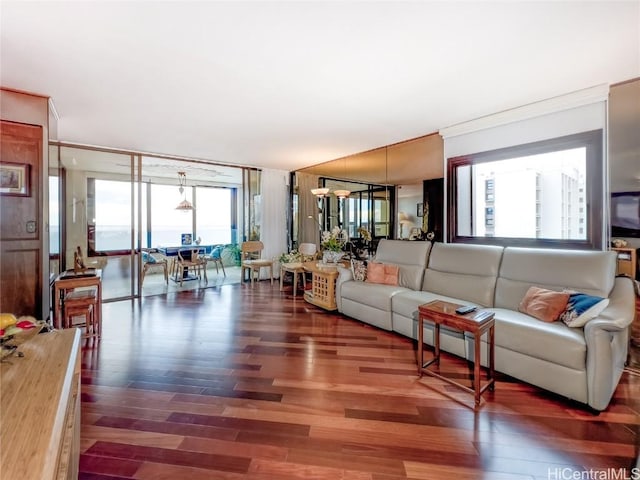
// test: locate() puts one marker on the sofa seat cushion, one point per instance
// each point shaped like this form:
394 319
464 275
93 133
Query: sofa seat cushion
372 294
553 342
407 303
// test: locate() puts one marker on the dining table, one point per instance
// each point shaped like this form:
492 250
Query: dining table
172 251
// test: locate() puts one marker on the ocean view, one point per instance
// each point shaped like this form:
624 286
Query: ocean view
118 237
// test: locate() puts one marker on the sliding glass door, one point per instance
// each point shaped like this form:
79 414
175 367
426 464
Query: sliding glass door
117 205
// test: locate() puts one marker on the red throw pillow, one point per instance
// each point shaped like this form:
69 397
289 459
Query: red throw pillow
545 305
382 273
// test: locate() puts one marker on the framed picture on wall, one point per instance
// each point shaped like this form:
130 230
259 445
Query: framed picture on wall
187 239
14 179
420 210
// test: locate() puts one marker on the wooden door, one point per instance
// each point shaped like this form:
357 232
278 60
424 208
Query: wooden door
20 219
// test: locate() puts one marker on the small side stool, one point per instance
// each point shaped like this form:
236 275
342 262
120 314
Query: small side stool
82 303
295 269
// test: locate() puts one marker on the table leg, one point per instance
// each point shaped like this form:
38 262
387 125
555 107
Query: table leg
420 345
492 357
281 278
57 310
295 283
97 315
476 367
436 342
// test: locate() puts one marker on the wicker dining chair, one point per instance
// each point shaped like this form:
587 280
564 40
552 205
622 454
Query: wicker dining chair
251 260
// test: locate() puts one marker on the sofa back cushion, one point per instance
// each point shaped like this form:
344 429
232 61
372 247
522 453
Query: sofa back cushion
591 272
411 257
463 271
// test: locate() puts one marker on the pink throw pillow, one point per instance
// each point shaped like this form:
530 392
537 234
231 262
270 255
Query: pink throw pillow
382 273
543 304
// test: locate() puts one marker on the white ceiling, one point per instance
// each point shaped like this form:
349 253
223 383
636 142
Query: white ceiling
290 84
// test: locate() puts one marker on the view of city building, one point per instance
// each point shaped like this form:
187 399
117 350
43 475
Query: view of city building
538 196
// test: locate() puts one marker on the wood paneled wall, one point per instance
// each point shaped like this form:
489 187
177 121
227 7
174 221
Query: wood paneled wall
24 267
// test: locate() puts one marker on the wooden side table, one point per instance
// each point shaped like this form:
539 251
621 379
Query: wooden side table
323 285
477 323
68 281
626 264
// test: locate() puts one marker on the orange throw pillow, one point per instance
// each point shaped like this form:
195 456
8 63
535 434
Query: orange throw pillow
545 305
382 273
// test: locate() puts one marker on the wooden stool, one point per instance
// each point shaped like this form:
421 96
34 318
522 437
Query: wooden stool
295 269
82 303
85 311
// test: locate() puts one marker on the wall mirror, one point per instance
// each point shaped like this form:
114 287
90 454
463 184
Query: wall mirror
624 161
382 182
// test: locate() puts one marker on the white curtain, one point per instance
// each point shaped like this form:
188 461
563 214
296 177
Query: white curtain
273 213
308 228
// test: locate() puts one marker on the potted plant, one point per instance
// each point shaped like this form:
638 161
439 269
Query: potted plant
292 257
332 244
232 252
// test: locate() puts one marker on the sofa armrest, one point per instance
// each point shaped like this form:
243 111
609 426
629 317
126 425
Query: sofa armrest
621 309
607 339
344 275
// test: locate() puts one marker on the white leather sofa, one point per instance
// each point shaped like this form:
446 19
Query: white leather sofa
583 364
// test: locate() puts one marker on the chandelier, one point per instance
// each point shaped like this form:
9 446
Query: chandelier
184 205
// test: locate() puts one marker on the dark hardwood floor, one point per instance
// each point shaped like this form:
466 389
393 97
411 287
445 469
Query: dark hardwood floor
235 382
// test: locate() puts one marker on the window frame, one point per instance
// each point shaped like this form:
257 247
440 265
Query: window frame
594 197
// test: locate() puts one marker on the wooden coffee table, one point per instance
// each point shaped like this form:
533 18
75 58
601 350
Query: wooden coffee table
477 323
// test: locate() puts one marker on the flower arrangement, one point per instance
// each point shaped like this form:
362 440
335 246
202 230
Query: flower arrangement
292 257
364 233
334 240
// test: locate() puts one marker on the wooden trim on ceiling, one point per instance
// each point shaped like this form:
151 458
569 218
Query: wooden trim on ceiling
24 92
624 82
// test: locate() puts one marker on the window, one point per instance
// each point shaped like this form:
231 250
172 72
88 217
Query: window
54 217
381 216
537 194
213 214
167 223
110 227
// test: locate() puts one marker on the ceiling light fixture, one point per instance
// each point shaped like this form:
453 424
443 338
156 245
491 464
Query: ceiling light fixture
320 192
185 205
341 193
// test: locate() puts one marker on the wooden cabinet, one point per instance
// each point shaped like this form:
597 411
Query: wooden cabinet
627 261
40 408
